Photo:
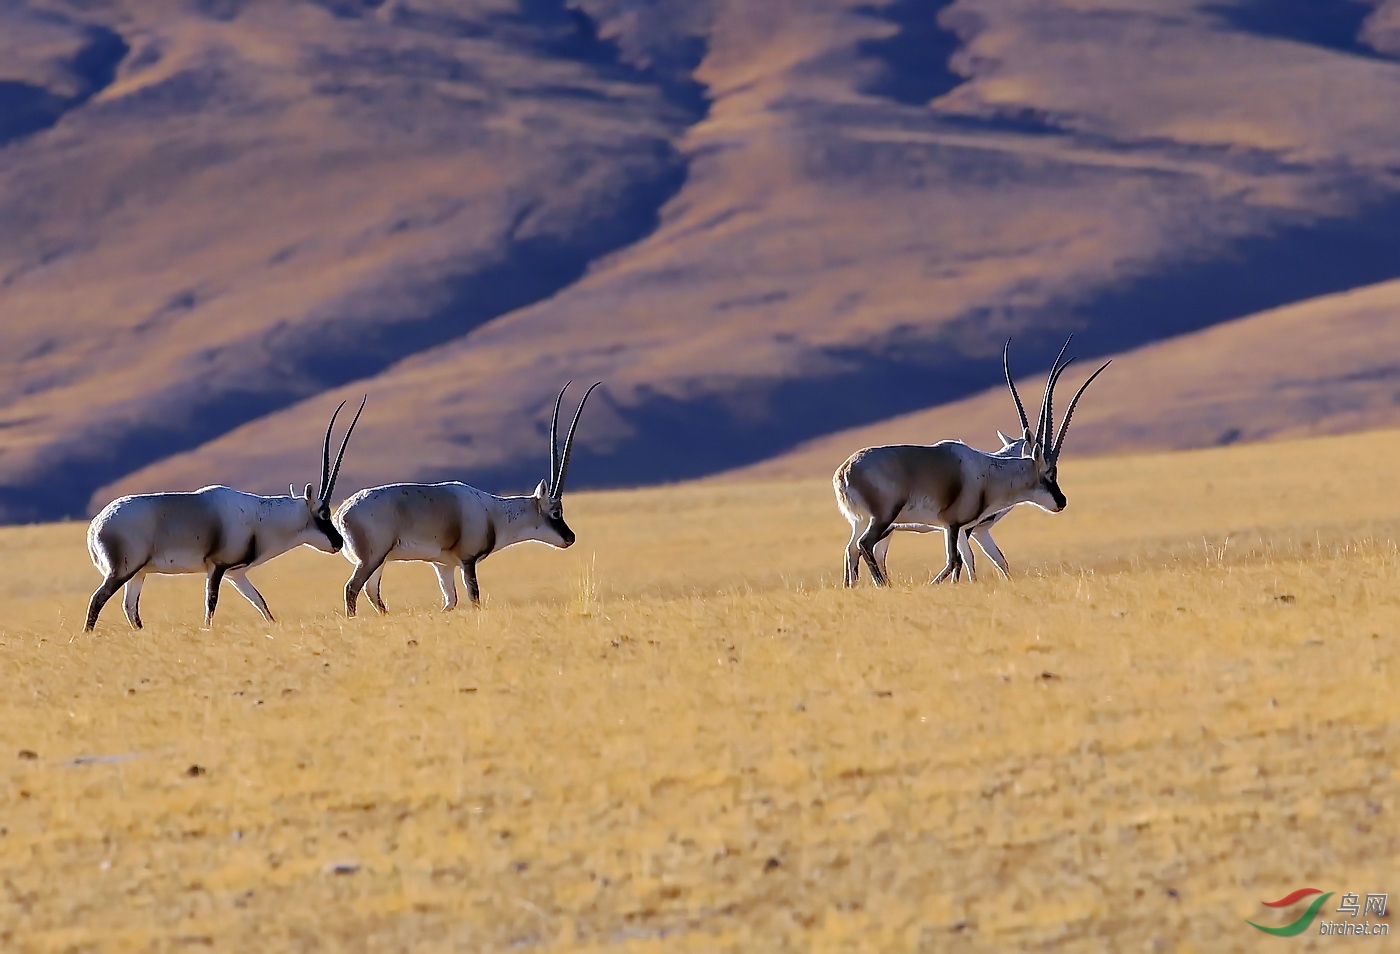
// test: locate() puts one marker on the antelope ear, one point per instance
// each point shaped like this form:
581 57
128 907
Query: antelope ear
1003 438
307 495
541 490
291 490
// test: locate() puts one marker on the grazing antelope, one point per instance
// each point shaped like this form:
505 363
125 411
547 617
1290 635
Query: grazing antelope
216 531
951 486
452 524
981 532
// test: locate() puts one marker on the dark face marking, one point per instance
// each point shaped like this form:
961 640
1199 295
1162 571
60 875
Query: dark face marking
322 519
555 518
1053 488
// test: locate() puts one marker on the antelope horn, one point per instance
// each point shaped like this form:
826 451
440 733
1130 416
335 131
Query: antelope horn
1047 401
554 440
569 443
335 471
326 454
1020 408
1069 411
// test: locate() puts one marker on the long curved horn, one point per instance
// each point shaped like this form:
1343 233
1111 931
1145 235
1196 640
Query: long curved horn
326 455
1051 383
554 440
1046 423
1069 411
1020 408
335 471
558 490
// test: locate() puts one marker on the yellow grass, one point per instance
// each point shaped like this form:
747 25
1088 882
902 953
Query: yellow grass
681 735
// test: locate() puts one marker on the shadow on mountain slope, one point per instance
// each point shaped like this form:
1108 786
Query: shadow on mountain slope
359 339
26 109
324 355
915 69
1332 24
915 59
696 438
576 37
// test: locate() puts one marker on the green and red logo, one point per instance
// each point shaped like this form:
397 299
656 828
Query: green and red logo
1303 922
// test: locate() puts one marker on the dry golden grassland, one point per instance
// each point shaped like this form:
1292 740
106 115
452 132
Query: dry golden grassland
683 735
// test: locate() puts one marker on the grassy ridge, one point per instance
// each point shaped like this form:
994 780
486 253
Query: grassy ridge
682 735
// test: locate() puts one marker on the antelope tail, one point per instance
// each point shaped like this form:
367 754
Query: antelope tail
840 483
99 558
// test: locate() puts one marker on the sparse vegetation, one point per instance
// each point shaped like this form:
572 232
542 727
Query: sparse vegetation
682 735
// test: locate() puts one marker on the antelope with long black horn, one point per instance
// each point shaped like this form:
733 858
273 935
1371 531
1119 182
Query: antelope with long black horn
216 531
452 525
950 486
980 532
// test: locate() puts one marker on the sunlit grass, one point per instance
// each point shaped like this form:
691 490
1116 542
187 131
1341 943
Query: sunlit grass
681 734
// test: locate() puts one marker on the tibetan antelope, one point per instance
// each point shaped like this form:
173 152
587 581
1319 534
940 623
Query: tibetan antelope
951 486
452 524
216 531
981 531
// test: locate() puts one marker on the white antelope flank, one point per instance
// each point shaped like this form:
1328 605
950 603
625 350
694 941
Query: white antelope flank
950 486
216 531
452 524
980 531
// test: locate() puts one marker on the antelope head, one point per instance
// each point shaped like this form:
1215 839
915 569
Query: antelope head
549 494
318 506
1010 446
1043 446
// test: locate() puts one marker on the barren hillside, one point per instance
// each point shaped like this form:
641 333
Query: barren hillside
760 222
275 198
1325 366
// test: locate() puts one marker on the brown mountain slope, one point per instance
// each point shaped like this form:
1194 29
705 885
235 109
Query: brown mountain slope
1326 366
834 256
857 230
278 198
